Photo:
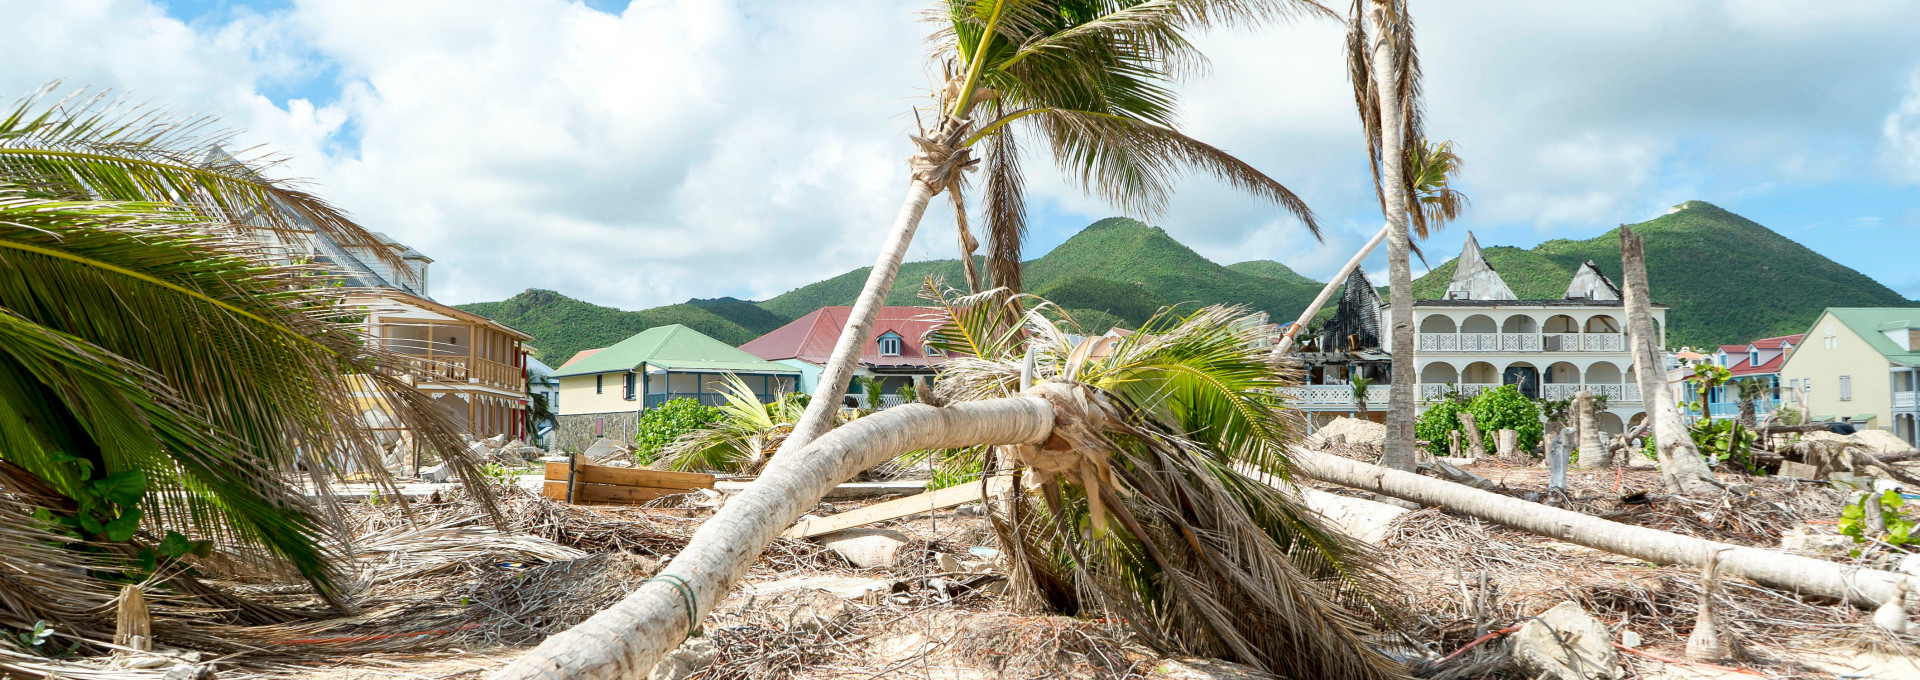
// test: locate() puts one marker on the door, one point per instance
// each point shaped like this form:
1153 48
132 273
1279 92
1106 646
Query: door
1526 377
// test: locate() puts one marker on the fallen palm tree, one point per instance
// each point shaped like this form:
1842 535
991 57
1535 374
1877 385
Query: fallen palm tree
1866 588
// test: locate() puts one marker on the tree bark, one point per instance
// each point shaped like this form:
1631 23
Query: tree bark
1866 588
1680 463
1475 446
846 351
1593 449
627 639
1399 453
1509 443
1326 292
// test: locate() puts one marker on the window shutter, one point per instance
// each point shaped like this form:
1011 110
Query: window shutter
599 384
1846 388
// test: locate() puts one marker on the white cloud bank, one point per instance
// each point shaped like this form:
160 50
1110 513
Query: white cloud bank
685 149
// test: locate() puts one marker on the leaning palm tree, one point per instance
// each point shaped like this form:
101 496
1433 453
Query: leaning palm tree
165 380
1092 80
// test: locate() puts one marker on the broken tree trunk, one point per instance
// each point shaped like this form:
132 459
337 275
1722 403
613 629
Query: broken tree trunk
1326 292
1866 588
1475 447
1509 442
627 639
1680 463
1593 451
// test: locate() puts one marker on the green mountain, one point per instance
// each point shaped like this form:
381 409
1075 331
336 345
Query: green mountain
561 325
1116 265
1726 278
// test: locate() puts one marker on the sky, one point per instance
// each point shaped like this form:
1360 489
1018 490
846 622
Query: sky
640 154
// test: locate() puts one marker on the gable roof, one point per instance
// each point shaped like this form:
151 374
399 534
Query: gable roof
1775 343
1870 323
811 338
1474 278
1589 283
672 347
582 354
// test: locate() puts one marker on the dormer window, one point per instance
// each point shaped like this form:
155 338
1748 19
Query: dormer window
935 351
890 345
1753 356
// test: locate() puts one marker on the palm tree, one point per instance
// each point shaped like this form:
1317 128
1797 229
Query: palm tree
163 379
1360 386
1093 80
1751 389
1385 70
747 433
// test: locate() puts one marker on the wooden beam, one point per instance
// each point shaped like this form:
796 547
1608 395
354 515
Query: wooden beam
904 507
605 493
601 474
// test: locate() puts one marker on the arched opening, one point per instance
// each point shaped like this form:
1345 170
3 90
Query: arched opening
1603 378
1519 323
1602 324
1561 323
1479 373
1562 381
1524 376
1438 323
1560 334
1609 423
1439 373
1479 323
1634 420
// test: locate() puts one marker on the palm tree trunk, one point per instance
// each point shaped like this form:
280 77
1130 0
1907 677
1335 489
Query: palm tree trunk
1400 405
1593 449
1680 463
1326 292
627 639
846 352
1866 588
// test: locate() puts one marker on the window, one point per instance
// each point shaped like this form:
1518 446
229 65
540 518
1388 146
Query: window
889 345
1832 340
599 384
1753 356
629 387
935 351
1846 388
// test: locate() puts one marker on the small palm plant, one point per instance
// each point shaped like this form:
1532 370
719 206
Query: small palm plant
1360 386
1159 499
747 433
1751 390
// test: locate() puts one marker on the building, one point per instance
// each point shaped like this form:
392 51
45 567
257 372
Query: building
541 385
1479 337
604 391
1757 360
1861 366
1349 345
893 351
473 367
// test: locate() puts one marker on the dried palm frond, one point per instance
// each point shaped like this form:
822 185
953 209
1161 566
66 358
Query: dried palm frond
1139 506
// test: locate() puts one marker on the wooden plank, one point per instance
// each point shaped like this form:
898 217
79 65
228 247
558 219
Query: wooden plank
601 474
894 509
605 493
843 491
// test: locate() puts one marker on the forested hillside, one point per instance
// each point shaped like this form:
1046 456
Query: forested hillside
561 325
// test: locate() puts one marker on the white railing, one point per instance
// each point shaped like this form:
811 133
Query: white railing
1432 391
1522 342
1340 397
1614 392
1559 390
1906 400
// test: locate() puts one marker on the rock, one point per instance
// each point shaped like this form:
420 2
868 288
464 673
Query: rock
866 548
1792 470
190 671
438 474
1804 540
1629 639
1566 643
946 563
1635 458
694 654
708 498
603 449
808 610
496 441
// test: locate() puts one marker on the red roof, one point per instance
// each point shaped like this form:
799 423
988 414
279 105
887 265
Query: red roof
1774 343
1744 367
582 354
811 338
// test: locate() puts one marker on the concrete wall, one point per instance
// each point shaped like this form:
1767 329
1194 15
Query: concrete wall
577 432
577 395
1851 356
809 373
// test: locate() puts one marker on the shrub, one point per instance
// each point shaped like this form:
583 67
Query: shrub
1439 419
662 424
1507 409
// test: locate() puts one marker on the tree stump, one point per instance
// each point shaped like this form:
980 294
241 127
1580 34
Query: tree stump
1475 447
132 625
1453 443
1593 449
1509 444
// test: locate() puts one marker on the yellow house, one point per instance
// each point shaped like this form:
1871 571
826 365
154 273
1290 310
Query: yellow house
1859 365
603 392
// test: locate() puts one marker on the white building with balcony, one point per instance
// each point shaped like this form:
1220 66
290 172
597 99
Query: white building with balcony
1480 337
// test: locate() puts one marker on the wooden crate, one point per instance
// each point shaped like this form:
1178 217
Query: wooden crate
625 486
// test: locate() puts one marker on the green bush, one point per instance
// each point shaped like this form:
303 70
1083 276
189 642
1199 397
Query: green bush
1507 409
662 424
1439 419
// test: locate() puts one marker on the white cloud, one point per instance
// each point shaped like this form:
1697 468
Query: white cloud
685 149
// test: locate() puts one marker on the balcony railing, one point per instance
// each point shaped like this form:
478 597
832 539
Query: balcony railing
1334 397
1522 342
461 370
1729 409
1432 391
1906 401
1614 392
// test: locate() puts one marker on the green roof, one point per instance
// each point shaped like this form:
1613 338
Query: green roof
1870 323
676 348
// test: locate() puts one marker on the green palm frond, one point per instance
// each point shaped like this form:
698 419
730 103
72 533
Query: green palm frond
746 434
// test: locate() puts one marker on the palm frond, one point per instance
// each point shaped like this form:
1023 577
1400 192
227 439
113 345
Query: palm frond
1006 206
747 433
